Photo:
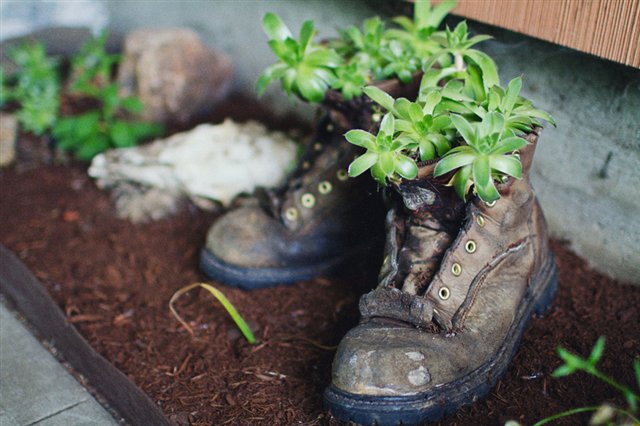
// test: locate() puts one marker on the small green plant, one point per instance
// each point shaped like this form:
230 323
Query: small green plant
93 132
356 58
456 123
462 118
3 87
605 414
36 87
418 32
384 153
364 46
226 304
91 68
305 68
109 125
456 50
420 121
485 155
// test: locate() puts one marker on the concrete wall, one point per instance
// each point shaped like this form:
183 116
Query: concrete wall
586 172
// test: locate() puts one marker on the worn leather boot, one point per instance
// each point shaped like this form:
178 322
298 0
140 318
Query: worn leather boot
315 225
320 223
458 285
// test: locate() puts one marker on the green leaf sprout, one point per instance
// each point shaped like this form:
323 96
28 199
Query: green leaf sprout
304 68
226 304
604 414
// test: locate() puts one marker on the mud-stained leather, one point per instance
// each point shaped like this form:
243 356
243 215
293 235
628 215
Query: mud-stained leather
414 336
320 213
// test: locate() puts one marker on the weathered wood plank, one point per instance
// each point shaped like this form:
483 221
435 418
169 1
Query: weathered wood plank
21 288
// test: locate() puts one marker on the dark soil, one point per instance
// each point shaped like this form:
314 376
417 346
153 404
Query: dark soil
114 280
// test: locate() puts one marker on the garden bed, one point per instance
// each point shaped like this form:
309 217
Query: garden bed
113 280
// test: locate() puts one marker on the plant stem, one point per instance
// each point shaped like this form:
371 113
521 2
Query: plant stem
228 306
565 414
622 388
459 62
631 416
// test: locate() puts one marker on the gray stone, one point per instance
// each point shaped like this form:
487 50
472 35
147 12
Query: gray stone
8 135
176 76
35 388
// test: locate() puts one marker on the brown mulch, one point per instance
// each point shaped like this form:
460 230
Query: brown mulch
114 279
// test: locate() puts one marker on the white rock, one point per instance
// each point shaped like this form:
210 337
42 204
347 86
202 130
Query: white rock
215 162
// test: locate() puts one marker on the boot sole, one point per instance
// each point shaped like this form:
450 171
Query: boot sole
257 278
448 398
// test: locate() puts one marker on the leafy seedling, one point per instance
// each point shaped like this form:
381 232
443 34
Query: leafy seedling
604 414
36 89
485 155
304 68
226 304
107 126
418 121
384 156
426 20
400 60
351 79
95 131
457 49
91 68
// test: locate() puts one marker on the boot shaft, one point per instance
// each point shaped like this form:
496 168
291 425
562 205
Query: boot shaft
440 250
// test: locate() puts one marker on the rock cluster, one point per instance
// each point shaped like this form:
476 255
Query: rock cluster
174 74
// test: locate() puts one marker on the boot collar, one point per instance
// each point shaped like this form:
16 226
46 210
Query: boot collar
489 235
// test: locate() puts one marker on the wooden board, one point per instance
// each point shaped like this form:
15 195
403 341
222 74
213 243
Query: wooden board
606 28
29 297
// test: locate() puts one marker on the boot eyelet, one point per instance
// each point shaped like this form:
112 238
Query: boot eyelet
308 200
491 203
305 165
480 220
342 175
325 187
444 293
330 127
456 269
470 246
291 214
317 146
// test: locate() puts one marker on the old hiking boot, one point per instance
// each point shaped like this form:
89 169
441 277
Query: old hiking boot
317 222
321 222
458 285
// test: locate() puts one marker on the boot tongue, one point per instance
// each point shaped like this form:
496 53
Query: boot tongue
425 218
433 216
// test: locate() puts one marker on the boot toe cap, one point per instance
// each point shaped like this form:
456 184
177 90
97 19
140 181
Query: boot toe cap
246 237
374 360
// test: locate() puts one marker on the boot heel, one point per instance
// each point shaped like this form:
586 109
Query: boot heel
549 278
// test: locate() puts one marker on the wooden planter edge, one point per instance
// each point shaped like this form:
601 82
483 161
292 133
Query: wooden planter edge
23 290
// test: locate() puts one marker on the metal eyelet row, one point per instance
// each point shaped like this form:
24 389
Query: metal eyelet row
291 214
308 200
456 269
